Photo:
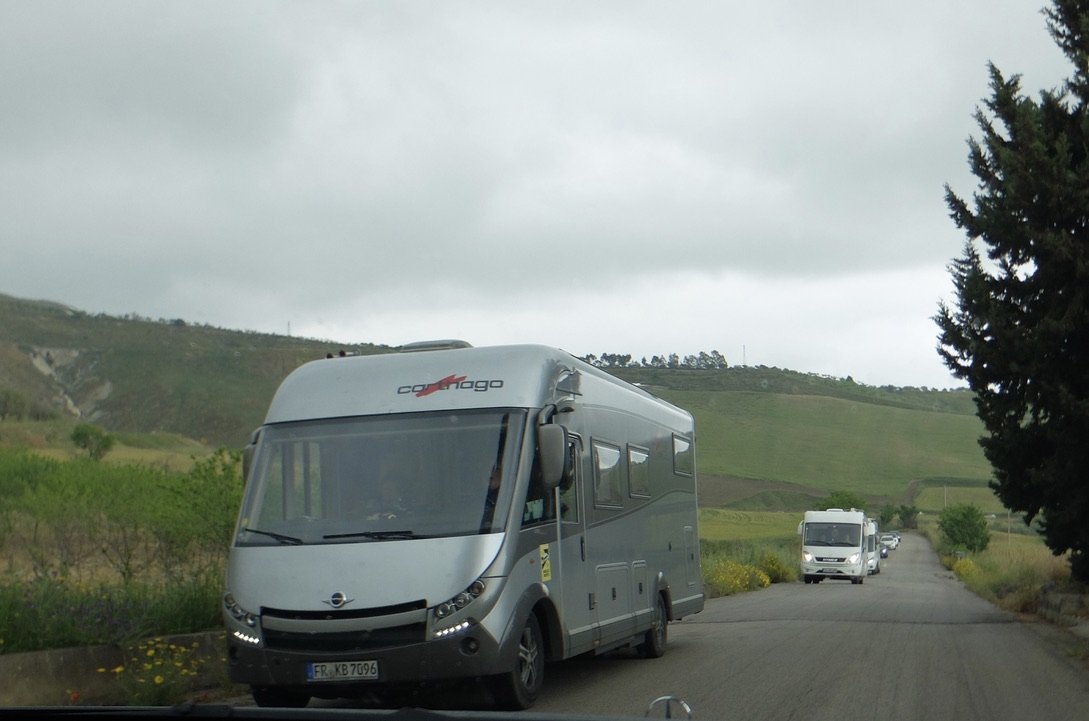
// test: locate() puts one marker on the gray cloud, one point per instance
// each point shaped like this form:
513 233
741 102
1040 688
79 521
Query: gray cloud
358 169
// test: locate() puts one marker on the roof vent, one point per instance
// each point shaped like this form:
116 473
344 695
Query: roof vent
425 345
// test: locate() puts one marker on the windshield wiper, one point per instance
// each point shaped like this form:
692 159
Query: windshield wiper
287 540
373 534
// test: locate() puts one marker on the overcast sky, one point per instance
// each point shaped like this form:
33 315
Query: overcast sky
764 179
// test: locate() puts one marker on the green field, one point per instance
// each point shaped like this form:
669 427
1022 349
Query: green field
830 443
718 524
933 499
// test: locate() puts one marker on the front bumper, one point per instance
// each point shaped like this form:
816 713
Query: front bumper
824 570
470 653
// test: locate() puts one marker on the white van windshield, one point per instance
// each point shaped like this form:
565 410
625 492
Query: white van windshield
833 534
382 478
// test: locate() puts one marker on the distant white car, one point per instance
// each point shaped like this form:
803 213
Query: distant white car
889 539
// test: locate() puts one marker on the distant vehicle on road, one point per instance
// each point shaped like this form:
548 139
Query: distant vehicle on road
891 540
873 551
834 545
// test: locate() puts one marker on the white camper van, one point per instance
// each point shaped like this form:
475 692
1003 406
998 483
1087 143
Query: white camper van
457 512
873 549
834 545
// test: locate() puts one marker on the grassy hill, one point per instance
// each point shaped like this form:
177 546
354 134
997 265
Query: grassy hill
772 439
136 374
809 445
768 439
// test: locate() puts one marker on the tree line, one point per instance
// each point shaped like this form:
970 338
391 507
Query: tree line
700 361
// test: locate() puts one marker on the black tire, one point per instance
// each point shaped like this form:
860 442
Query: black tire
654 643
278 697
518 688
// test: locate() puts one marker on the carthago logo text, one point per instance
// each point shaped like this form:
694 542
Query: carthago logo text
450 383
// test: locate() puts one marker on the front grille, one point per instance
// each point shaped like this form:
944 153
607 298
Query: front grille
346 641
330 615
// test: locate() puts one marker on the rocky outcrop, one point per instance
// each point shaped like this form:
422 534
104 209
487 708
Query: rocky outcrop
79 391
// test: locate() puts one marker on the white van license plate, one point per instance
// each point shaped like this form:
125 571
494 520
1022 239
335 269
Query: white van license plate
342 671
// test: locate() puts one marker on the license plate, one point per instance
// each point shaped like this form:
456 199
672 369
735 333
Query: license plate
342 671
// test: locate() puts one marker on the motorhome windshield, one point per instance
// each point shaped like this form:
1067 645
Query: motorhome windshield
833 534
382 478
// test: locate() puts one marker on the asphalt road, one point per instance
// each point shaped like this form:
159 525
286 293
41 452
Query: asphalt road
909 644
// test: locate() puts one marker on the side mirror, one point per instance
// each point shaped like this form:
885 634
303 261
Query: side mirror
552 445
247 456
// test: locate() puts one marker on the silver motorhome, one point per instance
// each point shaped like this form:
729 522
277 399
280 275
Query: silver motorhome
453 513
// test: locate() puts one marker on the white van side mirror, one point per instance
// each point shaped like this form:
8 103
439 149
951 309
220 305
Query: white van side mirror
247 455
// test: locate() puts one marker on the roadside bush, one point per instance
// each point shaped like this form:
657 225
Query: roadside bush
776 569
92 439
745 565
965 569
51 613
964 528
101 553
726 577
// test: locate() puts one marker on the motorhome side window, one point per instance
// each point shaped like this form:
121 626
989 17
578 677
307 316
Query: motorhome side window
608 475
638 472
683 458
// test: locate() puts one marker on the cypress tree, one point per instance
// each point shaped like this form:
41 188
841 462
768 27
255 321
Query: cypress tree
1019 333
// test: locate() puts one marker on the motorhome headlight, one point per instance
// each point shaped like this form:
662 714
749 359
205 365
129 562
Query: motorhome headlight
807 557
459 601
854 558
237 612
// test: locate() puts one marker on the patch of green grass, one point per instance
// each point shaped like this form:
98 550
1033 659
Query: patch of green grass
746 550
735 566
52 613
776 501
830 443
933 498
719 524
1011 573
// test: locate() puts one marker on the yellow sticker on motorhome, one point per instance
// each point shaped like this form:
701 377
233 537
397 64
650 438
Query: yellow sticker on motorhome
546 563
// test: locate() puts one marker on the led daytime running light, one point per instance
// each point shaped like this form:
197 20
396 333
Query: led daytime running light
444 632
246 638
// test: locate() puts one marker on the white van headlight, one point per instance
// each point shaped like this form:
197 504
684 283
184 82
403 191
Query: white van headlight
854 558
